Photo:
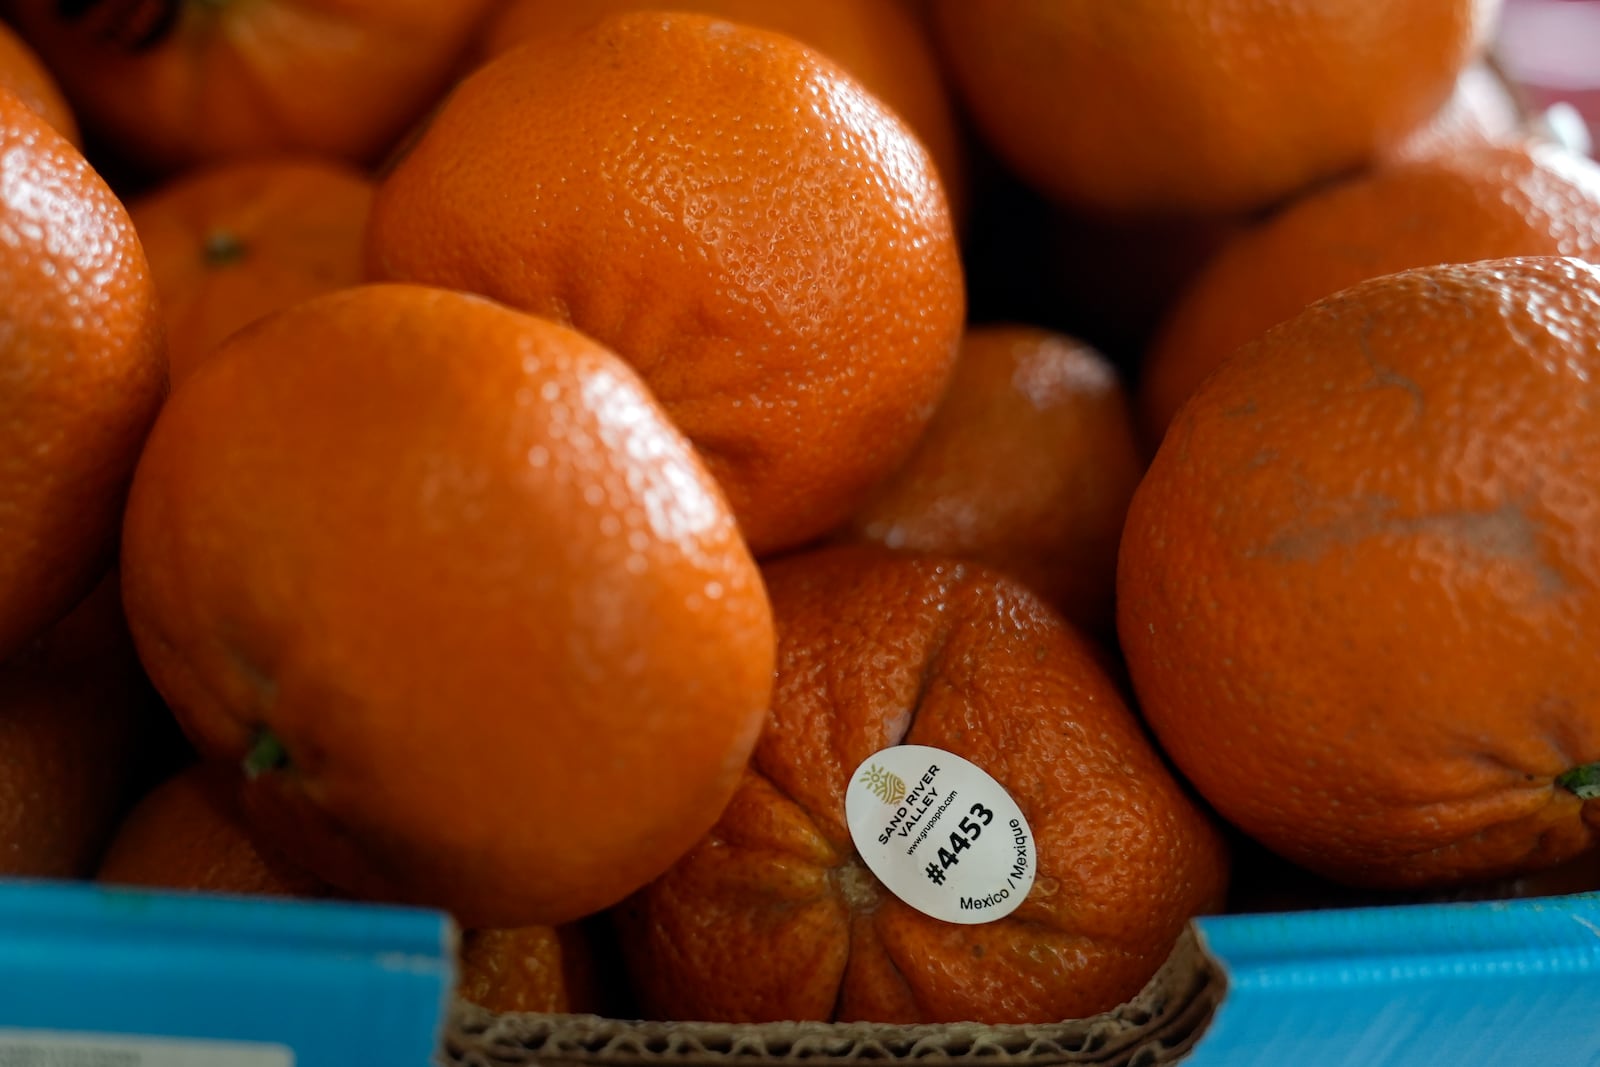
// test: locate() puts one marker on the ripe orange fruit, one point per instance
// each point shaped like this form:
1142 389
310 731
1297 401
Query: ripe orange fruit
22 72
229 243
172 83
1486 202
773 915
1358 584
1174 106
189 833
76 717
82 372
880 42
728 211
1028 466
470 612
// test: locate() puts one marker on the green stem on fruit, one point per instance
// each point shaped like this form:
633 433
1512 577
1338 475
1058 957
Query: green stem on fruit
1584 781
221 248
266 754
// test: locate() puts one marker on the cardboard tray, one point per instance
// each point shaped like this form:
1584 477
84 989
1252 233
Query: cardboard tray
1152 1028
1415 985
99 977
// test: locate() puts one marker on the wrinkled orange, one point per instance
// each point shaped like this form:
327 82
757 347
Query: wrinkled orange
774 916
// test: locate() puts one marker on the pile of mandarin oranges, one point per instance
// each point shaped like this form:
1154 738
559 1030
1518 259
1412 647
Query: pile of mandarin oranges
522 457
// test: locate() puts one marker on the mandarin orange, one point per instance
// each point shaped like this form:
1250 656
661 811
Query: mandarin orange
1357 586
82 372
189 833
1196 106
880 42
468 611
173 83
1481 202
1028 466
774 914
726 209
232 242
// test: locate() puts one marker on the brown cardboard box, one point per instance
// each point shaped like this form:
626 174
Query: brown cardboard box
1156 1027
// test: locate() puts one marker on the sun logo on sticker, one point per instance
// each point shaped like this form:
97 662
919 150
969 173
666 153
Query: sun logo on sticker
886 784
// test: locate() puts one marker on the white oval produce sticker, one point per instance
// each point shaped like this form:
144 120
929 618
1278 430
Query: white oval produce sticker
940 834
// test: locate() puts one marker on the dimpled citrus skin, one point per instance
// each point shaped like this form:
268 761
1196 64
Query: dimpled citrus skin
882 44
774 916
231 242
725 209
485 597
1482 202
1359 585
1201 105
82 372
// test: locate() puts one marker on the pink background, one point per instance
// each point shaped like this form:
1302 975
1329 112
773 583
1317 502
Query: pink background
1551 49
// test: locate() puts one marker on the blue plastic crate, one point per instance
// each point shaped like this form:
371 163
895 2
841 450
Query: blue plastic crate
1437 985
111 977
103 977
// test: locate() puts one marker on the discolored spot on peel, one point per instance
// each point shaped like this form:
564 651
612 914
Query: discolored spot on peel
1507 533
858 886
1385 376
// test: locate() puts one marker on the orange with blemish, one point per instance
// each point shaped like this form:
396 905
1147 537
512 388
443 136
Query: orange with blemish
876 649
1359 584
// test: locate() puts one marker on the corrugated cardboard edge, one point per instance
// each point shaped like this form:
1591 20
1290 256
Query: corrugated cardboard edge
1156 1027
